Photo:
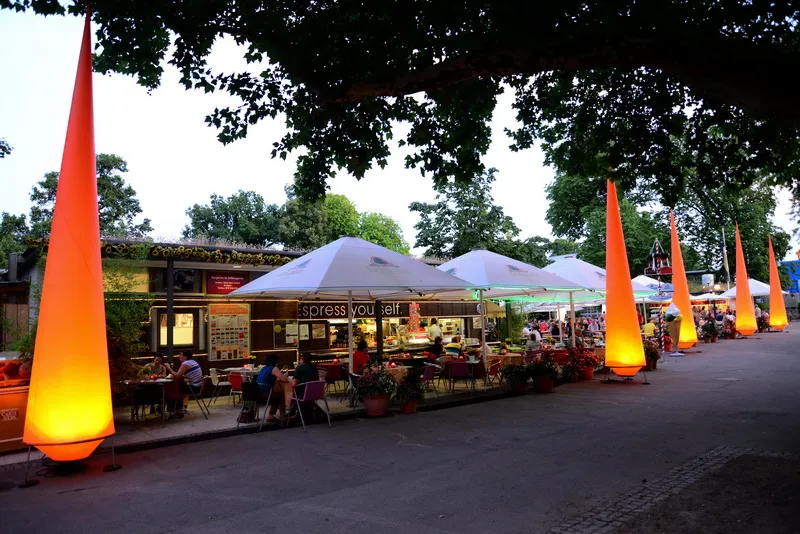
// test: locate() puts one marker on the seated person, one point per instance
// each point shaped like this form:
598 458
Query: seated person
453 348
305 372
10 371
271 378
649 329
156 367
437 348
360 357
190 370
535 341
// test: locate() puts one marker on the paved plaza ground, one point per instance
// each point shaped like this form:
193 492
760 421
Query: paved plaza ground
590 457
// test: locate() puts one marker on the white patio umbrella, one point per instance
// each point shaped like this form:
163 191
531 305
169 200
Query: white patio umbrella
757 289
708 297
351 267
589 276
499 276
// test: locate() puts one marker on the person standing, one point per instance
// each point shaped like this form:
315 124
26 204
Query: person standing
433 330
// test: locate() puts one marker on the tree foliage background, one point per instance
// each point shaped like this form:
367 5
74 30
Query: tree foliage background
671 94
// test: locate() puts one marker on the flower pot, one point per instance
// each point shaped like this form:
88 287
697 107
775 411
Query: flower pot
409 407
377 405
543 384
706 340
652 364
588 373
714 339
519 388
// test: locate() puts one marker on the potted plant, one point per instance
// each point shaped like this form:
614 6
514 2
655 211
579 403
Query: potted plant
251 360
410 392
651 355
544 375
710 331
515 376
585 361
570 371
375 387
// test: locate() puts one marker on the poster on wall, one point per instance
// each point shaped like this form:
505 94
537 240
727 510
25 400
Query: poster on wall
318 331
303 332
228 331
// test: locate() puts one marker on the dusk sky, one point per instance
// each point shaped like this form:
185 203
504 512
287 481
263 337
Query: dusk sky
175 160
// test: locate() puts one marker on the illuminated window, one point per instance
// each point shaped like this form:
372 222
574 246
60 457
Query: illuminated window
182 332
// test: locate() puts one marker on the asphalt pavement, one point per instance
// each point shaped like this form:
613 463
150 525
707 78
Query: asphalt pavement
525 464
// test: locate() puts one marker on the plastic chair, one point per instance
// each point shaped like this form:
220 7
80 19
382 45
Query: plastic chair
251 397
493 372
333 375
217 383
235 381
479 373
312 392
456 370
429 377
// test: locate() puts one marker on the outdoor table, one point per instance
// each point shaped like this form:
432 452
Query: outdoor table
158 382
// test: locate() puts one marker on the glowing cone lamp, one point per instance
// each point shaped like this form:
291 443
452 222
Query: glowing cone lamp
745 313
624 350
680 296
69 402
777 308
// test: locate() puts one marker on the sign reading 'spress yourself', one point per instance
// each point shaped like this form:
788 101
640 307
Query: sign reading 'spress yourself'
337 310
366 310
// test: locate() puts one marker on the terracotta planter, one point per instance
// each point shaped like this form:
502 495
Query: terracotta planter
377 405
588 373
543 384
706 340
409 407
652 365
714 339
519 388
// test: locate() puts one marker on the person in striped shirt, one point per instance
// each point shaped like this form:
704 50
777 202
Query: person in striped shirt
190 370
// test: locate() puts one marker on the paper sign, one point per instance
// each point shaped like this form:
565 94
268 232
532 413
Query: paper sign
303 332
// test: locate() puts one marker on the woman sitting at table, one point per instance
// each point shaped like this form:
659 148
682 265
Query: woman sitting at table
535 342
360 357
437 348
271 378
156 367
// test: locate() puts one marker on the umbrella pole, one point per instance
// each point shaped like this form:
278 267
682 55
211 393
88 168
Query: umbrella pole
350 329
572 317
558 320
483 324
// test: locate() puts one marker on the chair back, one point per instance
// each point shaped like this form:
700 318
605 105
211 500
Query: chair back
214 376
429 373
322 374
494 368
479 371
457 369
236 381
314 391
250 392
334 373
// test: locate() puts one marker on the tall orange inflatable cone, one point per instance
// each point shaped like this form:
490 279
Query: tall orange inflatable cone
69 401
624 349
680 296
777 307
745 313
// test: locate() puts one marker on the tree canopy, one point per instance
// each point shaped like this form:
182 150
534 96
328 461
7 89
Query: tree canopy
245 217
117 202
5 148
13 229
651 89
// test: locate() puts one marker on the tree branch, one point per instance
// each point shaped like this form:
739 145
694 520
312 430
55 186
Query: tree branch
758 78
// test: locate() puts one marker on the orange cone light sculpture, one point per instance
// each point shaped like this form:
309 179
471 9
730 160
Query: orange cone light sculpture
624 350
745 313
681 297
69 401
777 308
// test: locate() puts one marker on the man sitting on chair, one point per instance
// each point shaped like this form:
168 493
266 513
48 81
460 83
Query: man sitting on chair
190 370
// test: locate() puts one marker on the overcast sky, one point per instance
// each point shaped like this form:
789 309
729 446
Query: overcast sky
174 159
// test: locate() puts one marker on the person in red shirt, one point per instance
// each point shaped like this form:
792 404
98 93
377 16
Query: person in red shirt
360 357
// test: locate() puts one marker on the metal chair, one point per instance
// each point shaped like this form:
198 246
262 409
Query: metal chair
251 397
266 408
456 370
196 395
493 372
217 383
352 392
312 392
429 377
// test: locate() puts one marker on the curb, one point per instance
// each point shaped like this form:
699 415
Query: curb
253 428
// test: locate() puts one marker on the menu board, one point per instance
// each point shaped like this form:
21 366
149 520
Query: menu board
229 331
286 334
